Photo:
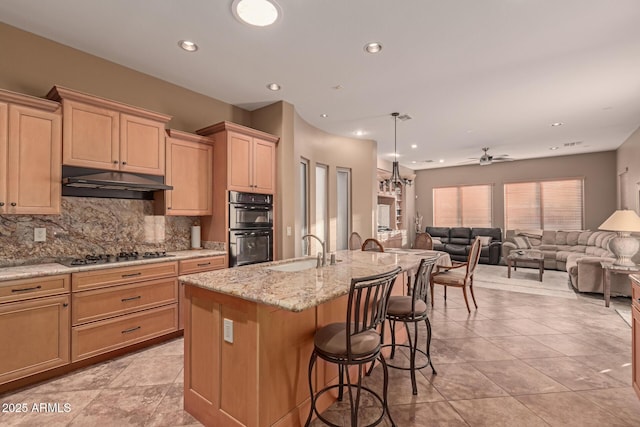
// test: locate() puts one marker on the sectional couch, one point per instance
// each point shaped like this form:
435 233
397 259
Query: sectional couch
457 241
577 252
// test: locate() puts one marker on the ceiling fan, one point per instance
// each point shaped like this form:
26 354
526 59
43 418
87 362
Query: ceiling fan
487 159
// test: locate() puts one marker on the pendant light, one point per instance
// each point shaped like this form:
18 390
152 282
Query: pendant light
395 180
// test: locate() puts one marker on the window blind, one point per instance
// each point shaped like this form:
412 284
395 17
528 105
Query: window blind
551 205
466 206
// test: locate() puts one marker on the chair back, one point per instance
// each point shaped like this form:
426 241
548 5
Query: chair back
372 245
421 281
423 241
368 303
474 257
355 241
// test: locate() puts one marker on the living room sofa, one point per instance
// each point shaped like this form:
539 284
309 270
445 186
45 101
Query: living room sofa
456 241
578 252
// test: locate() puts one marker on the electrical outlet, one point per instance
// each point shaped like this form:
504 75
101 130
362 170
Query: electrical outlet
228 330
288 231
39 234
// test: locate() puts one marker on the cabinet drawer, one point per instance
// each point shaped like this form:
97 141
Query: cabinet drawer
106 335
99 304
116 276
203 264
17 290
34 336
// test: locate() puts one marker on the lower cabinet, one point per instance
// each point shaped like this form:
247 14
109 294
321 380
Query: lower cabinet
197 265
35 336
116 308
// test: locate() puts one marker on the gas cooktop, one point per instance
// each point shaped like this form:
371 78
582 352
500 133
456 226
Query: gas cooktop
92 259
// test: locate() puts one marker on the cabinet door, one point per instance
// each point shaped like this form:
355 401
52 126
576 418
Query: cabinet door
4 122
91 136
239 162
141 145
264 166
35 336
189 171
34 170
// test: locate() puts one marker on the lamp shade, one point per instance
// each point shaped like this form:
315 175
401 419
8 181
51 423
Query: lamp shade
622 220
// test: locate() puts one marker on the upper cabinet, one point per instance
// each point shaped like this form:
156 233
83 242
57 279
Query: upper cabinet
30 146
104 134
190 172
247 157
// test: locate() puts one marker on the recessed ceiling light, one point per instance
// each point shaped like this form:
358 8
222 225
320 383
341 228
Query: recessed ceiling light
373 47
413 161
414 145
557 124
441 161
336 87
324 116
188 45
259 13
553 148
359 132
273 86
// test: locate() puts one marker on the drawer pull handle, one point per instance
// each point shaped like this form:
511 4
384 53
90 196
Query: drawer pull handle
26 289
204 264
131 298
126 331
65 304
131 275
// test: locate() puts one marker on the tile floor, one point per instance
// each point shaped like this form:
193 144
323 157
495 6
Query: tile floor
519 360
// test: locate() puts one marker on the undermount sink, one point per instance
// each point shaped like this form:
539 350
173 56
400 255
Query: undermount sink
303 264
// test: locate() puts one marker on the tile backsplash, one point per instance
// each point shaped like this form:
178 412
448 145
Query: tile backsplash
92 225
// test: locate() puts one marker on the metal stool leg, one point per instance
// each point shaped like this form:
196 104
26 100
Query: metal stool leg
429 345
312 409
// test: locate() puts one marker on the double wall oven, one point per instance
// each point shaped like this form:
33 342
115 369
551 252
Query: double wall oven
250 228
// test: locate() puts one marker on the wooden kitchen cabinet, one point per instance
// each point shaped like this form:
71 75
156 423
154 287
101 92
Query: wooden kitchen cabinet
247 156
117 307
189 169
197 265
34 329
105 134
635 328
30 150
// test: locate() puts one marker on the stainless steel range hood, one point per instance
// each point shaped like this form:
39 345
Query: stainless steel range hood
115 181
85 182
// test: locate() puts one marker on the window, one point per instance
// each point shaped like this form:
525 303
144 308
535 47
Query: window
304 201
464 206
344 208
552 205
322 206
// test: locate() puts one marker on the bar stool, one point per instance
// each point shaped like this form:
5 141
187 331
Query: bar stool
355 342
412 309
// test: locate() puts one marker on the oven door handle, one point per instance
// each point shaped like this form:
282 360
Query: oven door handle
251 233
253 207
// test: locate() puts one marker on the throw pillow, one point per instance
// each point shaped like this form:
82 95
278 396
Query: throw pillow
522 242
485 240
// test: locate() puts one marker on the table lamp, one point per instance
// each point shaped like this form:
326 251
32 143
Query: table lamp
624 246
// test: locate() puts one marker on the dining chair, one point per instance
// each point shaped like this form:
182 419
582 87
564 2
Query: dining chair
355 241
371 244
423 241
459 275
355 342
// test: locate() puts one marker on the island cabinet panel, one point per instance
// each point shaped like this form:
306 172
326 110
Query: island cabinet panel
34 336
196 265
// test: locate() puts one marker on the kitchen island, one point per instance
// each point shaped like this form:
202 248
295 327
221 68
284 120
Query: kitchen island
249 334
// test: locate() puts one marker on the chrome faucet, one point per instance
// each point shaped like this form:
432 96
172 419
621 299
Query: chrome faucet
324 253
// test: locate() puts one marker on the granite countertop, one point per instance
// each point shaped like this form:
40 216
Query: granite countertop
300 290
39 270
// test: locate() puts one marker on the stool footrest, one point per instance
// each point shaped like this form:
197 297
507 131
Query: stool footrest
428 362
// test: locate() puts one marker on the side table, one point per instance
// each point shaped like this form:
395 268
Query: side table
607 269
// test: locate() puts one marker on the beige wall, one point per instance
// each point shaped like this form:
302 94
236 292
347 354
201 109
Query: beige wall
628 173
32 65
335 151
598 170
